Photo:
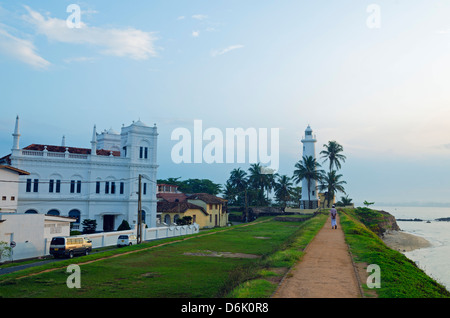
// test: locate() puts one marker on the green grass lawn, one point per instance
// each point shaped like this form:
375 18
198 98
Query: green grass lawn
168 272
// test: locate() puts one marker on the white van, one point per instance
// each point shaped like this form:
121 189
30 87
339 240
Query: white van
126 240
70 246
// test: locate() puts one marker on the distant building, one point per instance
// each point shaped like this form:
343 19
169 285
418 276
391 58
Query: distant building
9 187
323 201
206 210
167 188
309 149
99 183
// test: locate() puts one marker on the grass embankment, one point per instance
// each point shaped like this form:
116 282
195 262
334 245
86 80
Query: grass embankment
176 269
400 277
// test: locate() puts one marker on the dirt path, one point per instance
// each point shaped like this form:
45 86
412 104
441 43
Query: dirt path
325 271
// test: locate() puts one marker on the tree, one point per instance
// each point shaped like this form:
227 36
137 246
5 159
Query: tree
368 203
332 153
124 226
283 190
230 193
296 196
239 181
89 226
185 220
331 183
193 185
307 168
259 181
345 201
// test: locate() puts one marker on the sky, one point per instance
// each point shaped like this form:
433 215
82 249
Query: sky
371 75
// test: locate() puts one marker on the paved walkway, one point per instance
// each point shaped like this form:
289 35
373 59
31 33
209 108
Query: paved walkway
325 271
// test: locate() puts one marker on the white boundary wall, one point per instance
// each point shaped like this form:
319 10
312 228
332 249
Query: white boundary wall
110 238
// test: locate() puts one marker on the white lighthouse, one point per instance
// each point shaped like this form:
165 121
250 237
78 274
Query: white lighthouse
309 149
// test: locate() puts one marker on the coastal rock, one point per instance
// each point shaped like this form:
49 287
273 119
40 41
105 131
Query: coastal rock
389 222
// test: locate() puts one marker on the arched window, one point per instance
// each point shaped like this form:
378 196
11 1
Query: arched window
167 219
176 218
31 211
143 216
76 214
53 212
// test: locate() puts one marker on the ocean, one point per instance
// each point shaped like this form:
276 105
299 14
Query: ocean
434 260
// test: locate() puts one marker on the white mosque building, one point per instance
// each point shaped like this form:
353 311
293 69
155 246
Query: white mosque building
309 149
98 183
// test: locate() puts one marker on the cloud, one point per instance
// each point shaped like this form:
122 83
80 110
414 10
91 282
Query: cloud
230 48
199 16
130 42
79 59
195 34
22 50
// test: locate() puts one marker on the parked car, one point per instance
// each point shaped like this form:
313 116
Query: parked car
126 240
70 246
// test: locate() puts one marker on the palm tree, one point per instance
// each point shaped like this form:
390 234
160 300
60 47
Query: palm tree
283 189
230 193
345 201
307 168
331 184
259 181
332 153
238 179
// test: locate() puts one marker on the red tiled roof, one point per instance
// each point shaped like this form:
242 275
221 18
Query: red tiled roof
75 150
206 197
20 172
177 207
6 159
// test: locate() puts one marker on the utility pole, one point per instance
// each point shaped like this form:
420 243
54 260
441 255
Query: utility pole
139 223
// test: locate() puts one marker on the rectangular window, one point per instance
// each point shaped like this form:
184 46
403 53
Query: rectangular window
107 187
121 187
141 149
36 185
13 198
51 185
97 187
145 189
72 186
78 186
113 187
4 198
58 186
145 152
28 185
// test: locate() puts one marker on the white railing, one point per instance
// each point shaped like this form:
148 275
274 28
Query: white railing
45 153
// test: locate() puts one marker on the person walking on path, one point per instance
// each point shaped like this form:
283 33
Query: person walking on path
333 213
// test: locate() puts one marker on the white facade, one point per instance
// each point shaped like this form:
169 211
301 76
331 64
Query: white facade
32 233
9 188
99 183
309 149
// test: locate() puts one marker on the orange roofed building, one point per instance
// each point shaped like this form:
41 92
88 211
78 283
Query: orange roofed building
206 210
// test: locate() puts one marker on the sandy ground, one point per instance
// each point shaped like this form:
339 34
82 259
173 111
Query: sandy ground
325 271
404 242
